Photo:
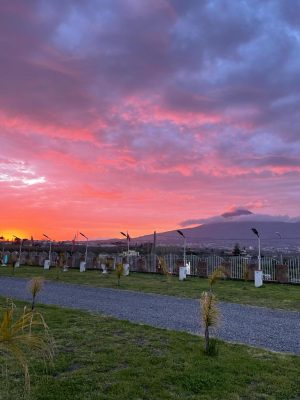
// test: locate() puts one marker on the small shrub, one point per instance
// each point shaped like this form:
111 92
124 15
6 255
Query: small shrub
163 267
119 272
210 318
35 286
219 273
17 340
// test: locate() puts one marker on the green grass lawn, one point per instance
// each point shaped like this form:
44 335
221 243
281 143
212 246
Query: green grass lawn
97 357
271 295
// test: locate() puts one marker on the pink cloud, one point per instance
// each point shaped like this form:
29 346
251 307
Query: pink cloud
125 114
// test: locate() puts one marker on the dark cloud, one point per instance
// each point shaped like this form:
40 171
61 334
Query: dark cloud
239 217
235 213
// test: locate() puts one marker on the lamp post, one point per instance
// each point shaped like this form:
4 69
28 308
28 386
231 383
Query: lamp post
86 247
183 271
184 246
258 274
21 243
280 237
128 240
126 266
50 242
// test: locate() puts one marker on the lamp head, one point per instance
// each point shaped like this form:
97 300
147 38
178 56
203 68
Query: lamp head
255 231
180 233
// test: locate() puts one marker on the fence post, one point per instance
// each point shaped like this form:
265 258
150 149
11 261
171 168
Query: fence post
201 269
227 267
282 273
251 268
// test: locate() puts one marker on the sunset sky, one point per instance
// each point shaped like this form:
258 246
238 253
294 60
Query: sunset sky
140 115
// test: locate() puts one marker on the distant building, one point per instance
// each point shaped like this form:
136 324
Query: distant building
130 253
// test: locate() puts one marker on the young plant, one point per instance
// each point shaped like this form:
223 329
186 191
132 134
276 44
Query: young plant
35 286
164 267
210 318
18 342
219 273
59 264
119 272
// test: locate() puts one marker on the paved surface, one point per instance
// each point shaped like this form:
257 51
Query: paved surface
257 326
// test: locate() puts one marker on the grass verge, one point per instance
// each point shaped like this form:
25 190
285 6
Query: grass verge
271 295
98 357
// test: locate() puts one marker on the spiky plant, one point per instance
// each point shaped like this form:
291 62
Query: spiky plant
17 340
35 286
119 272
209 315
219 273
59 264
164 267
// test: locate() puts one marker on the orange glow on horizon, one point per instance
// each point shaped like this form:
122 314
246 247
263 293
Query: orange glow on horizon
68 234
8 234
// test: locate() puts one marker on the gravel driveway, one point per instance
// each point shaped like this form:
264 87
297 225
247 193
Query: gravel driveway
256 326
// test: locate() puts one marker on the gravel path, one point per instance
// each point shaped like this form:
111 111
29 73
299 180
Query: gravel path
256 326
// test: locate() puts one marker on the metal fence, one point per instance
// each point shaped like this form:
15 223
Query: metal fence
294 270
268 266
236 266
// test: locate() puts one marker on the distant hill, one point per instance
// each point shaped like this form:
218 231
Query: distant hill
231 232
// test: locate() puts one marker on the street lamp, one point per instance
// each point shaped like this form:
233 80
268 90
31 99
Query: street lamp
183 270
258 274
21 243
280 237
128 240
50 241
86 247
184 247
126 266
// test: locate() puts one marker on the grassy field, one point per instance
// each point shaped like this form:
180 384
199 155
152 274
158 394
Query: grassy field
98 357
271 295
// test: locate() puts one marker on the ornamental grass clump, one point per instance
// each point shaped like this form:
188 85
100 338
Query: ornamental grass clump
60 262
164 267
119 272
35 286
21 337
219 273
210 318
